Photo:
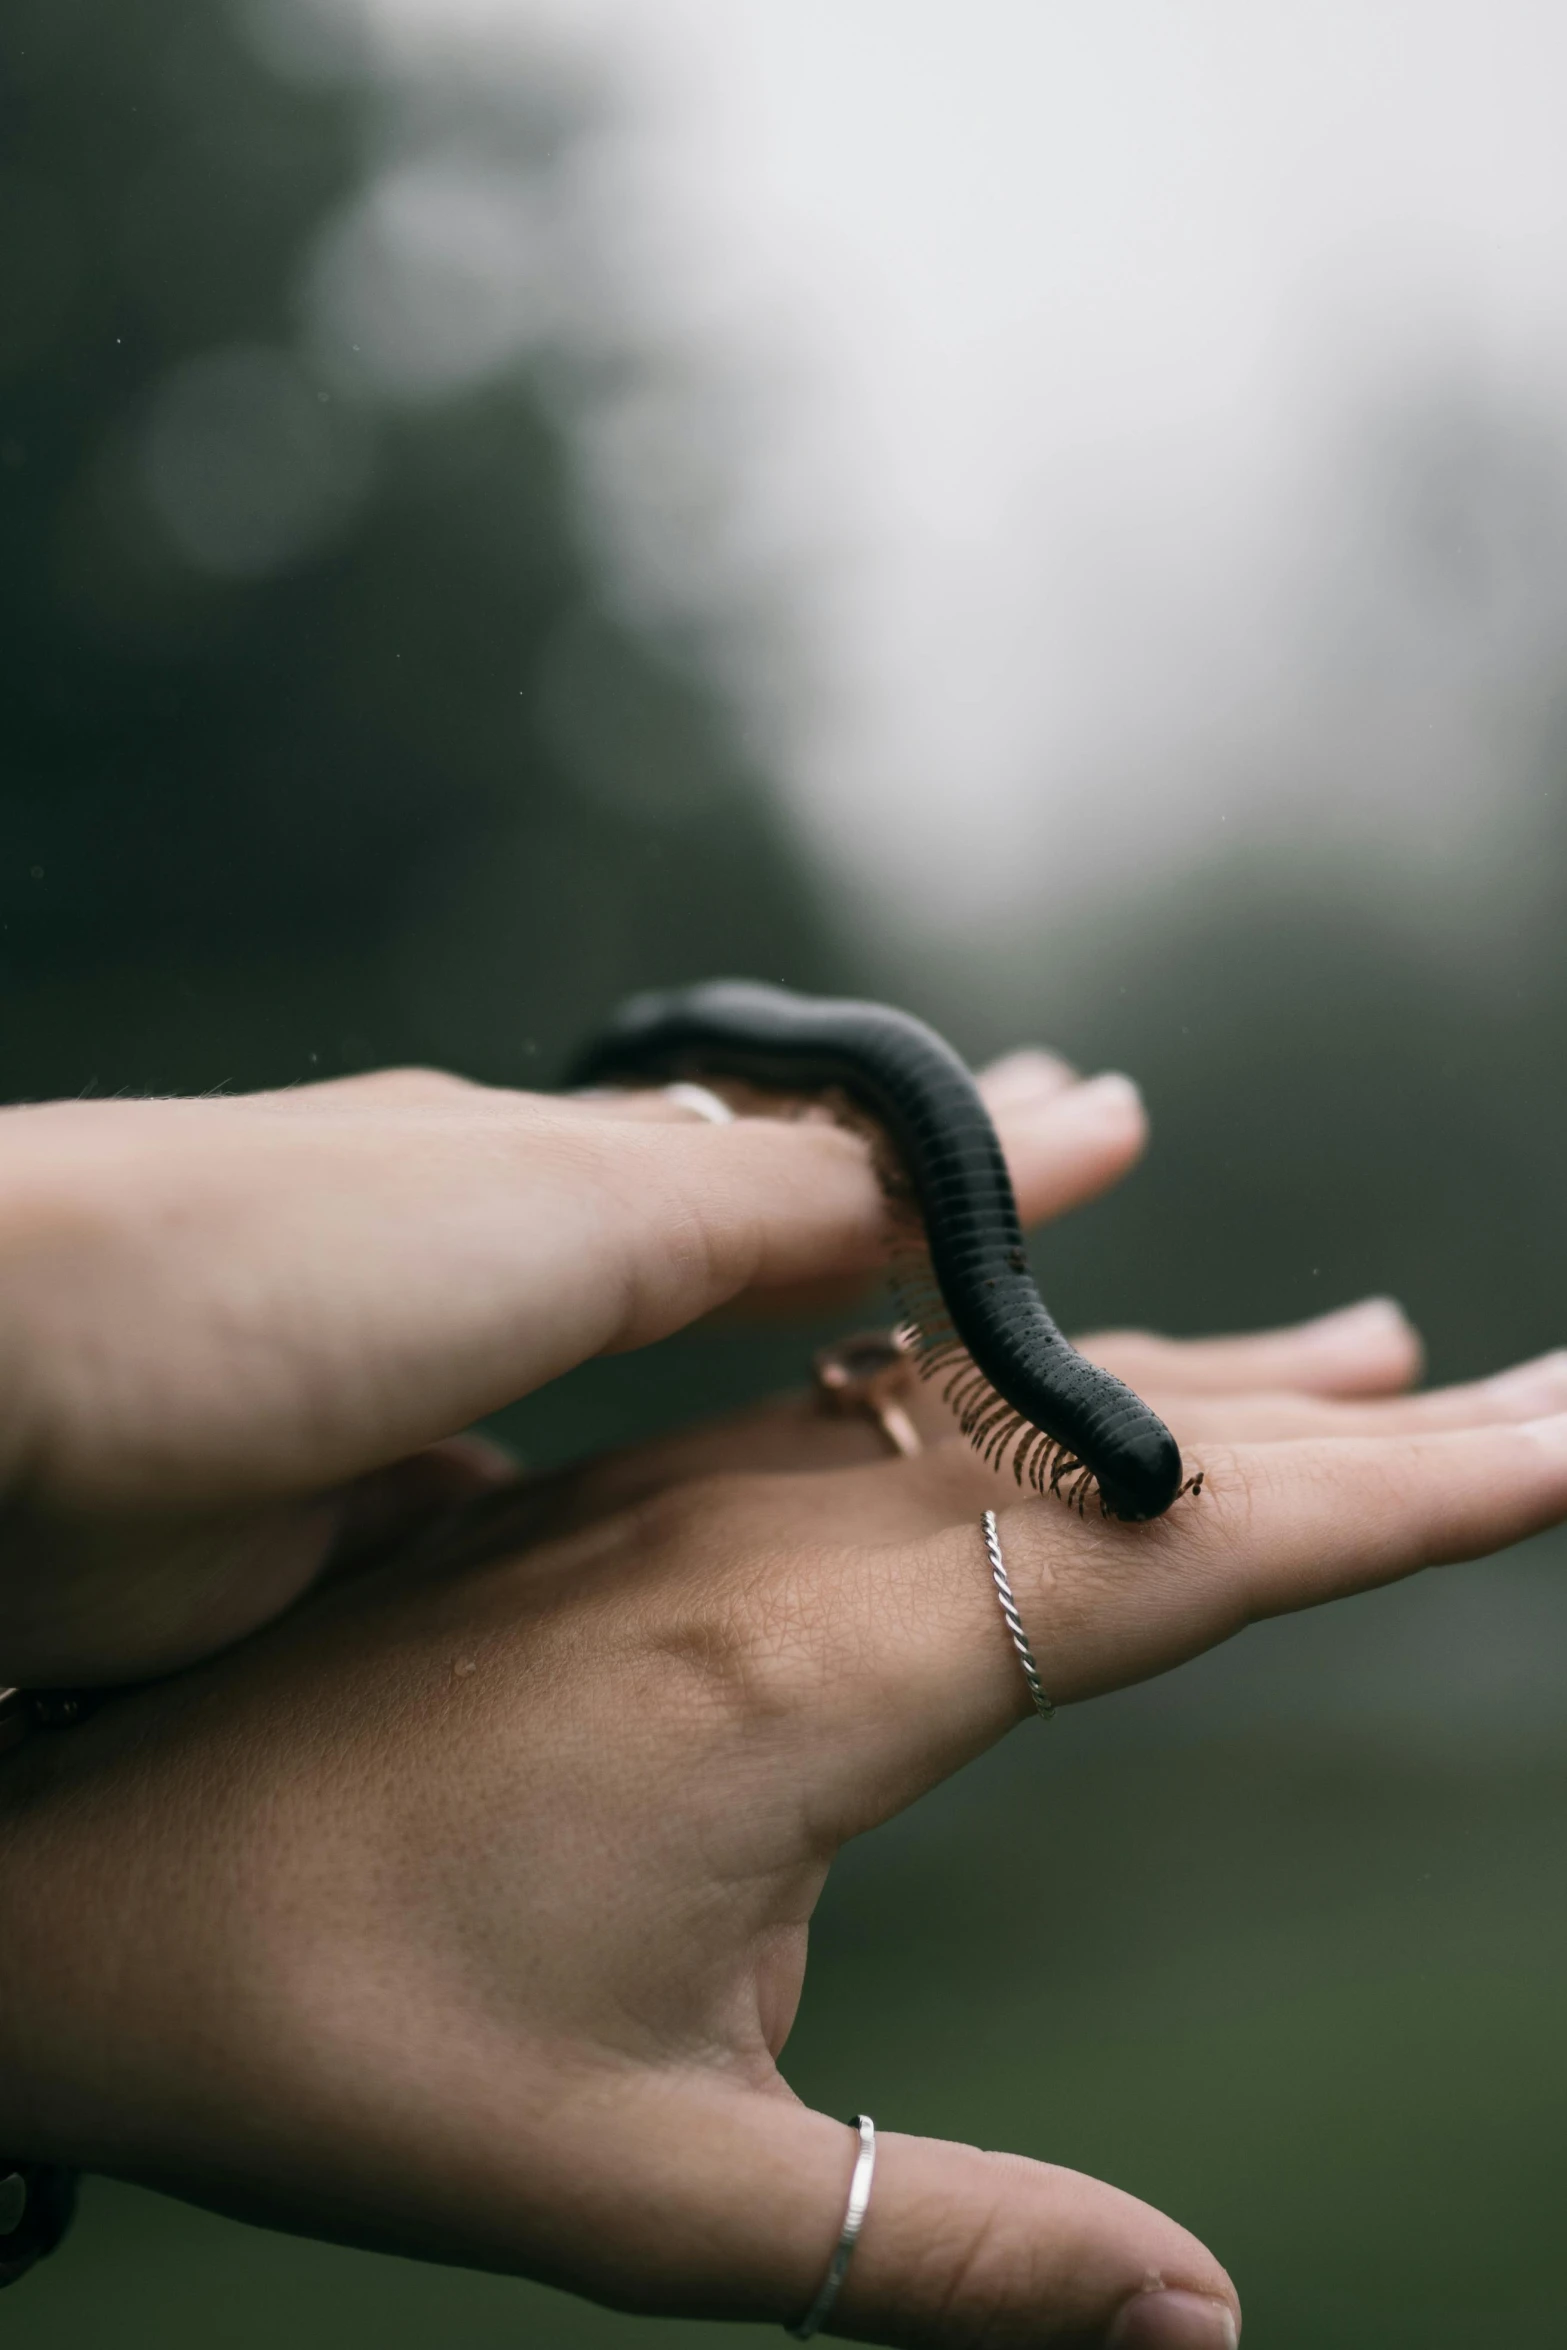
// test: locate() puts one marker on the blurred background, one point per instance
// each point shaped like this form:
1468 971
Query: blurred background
1057 517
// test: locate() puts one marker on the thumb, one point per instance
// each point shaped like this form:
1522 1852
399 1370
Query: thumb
957 2247
960 2247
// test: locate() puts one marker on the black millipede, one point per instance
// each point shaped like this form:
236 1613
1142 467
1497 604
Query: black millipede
975 1317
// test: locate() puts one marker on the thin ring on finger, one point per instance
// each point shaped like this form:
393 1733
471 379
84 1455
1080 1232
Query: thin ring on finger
1014 1622
816 2316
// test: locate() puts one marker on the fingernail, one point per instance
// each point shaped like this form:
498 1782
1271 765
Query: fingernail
1027 1075
1550 1435
1173 2321
1110 1097
1372 1317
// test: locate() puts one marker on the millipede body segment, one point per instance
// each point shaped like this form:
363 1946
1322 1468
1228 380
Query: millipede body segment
1019 1387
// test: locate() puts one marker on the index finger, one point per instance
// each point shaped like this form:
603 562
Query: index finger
1066 1138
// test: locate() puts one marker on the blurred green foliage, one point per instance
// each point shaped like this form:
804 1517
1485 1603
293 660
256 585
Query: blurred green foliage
1351 1093
326 740
322 744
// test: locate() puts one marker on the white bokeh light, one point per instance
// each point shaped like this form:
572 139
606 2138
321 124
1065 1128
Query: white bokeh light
437 278
1060 366
250 464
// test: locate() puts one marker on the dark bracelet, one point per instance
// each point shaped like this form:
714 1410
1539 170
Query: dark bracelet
37 2199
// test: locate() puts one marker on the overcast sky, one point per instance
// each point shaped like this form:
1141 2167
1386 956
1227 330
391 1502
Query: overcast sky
1102 392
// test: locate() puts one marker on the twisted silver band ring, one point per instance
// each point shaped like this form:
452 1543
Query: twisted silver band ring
853 2219
1025 1655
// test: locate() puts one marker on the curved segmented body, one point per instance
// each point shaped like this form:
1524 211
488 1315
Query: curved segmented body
1017 1383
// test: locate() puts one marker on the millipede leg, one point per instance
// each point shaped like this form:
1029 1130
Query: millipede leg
1082 1485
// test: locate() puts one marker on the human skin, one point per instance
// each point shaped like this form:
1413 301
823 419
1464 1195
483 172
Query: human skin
455 1899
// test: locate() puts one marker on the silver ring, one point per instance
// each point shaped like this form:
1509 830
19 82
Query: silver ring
853 2220
1025 1655
703 1100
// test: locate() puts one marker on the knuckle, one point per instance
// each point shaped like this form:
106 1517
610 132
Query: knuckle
1238 1487
1209 1534
1223 1547
414 1083
734 1616
378 1088
973 2291
1101 1570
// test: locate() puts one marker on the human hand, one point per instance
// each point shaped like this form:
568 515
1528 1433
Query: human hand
239 1334
463 1911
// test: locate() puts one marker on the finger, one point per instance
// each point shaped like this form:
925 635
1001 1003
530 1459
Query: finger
409 1266
1067 1145
1022 1079
371 1089
1066 1139
1276 1527
1365 1349
794 1434
1530 1391
1255 1388
730 2204
960 2246
1065 1142
418 1252
1024 1076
